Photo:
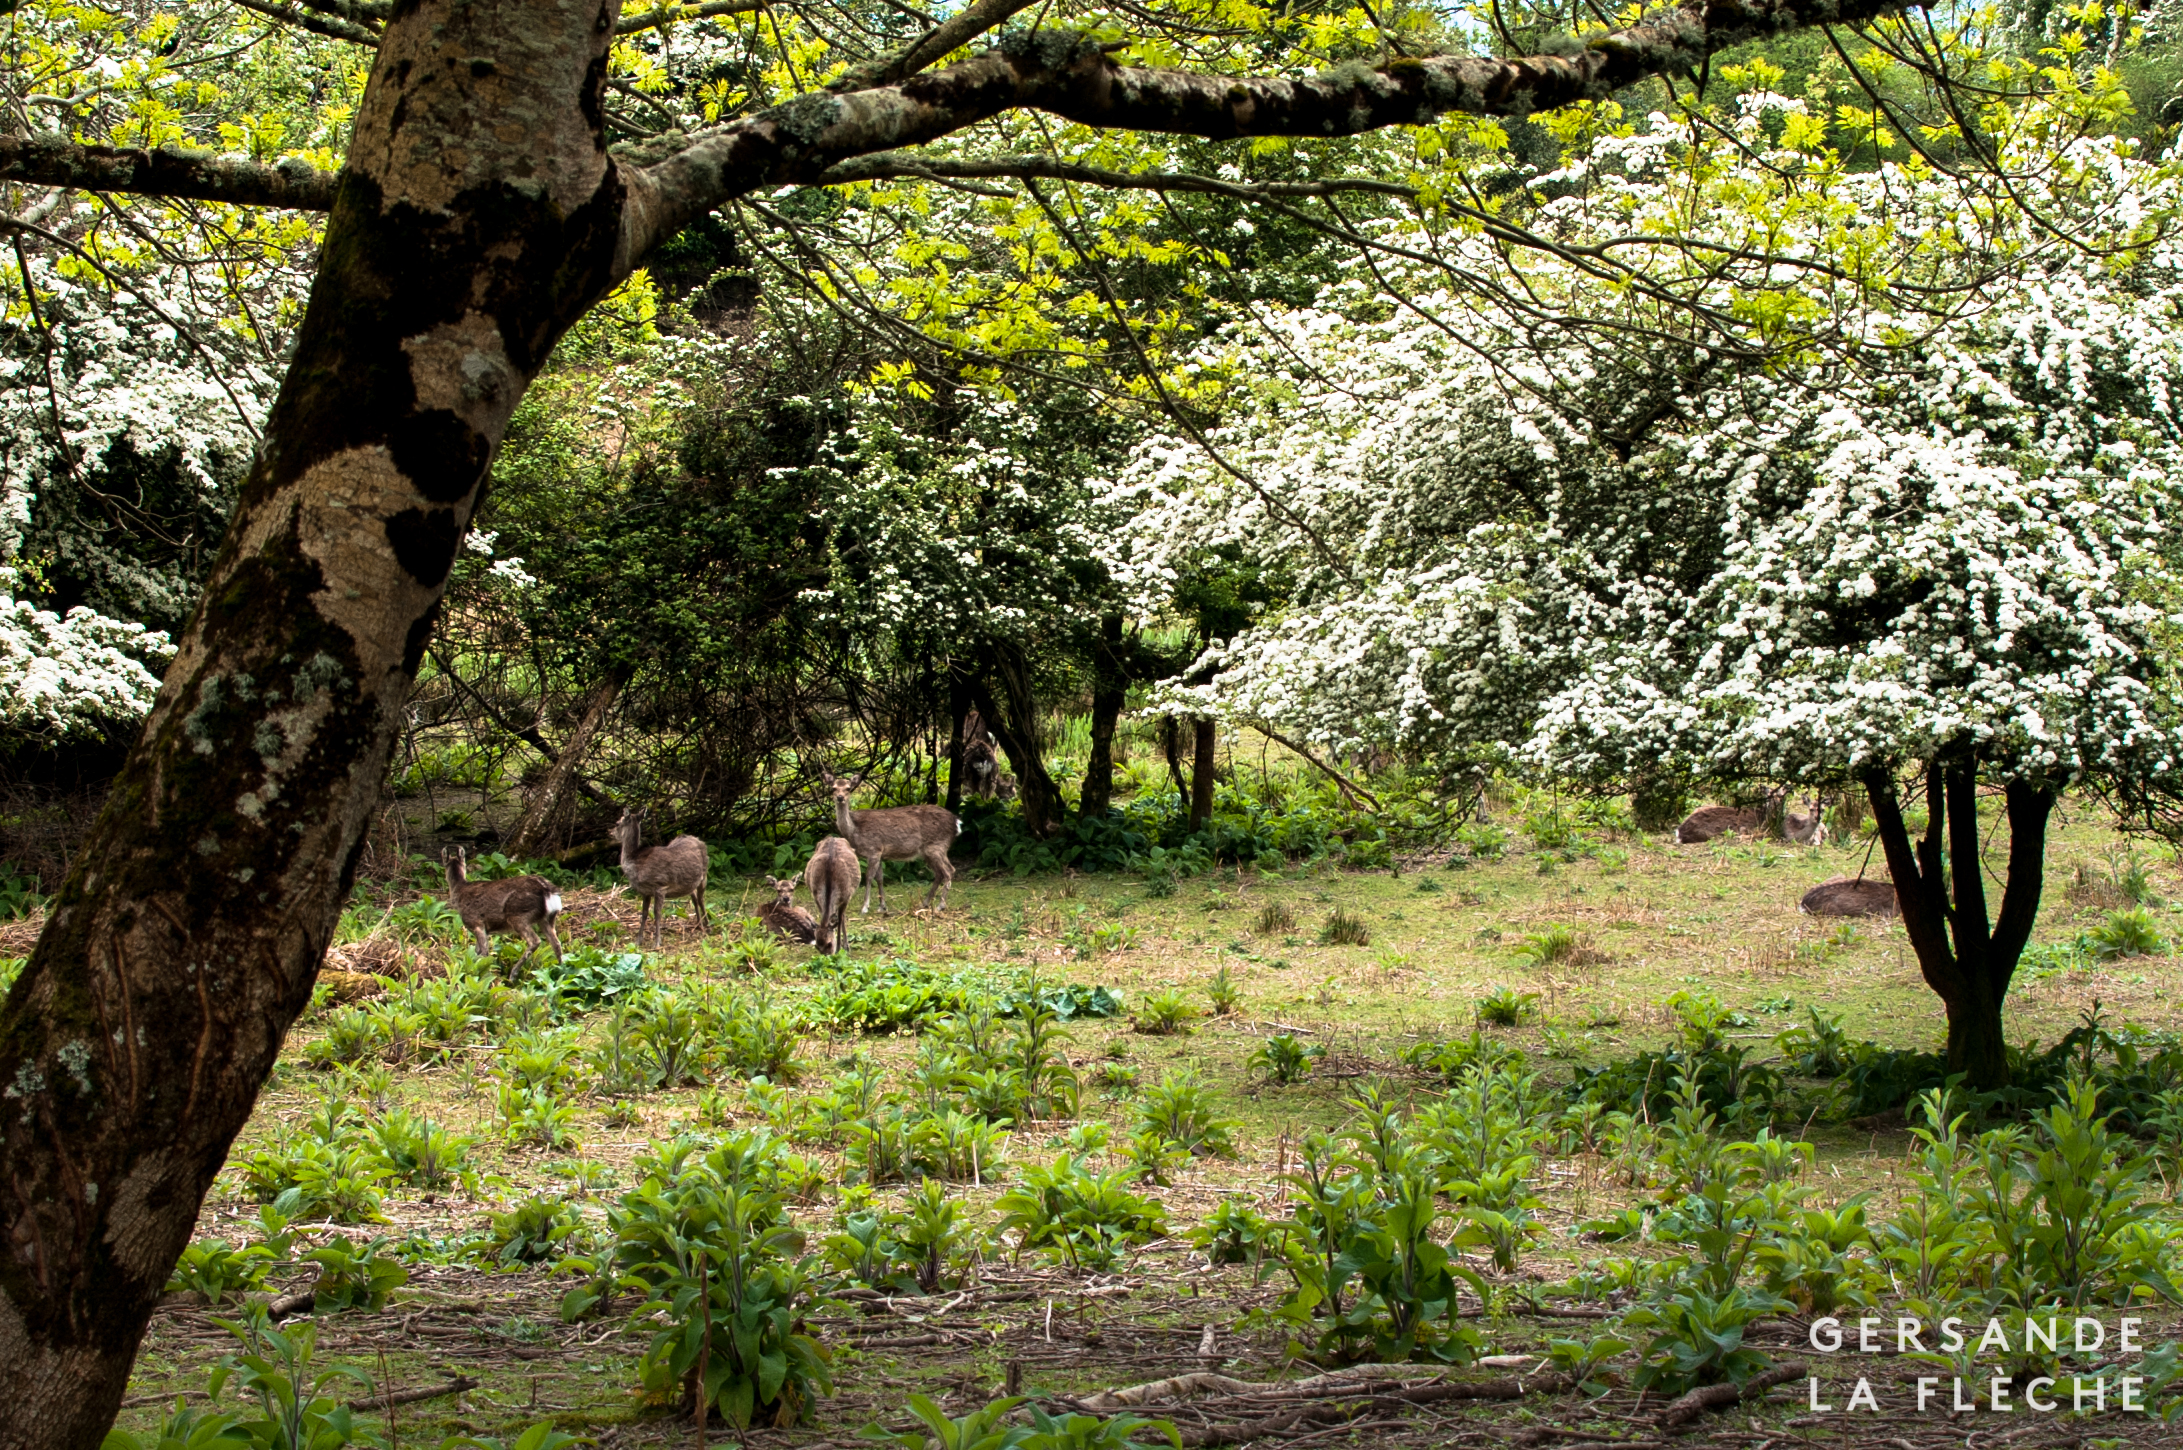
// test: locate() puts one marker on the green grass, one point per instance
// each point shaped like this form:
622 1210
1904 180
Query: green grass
1651 920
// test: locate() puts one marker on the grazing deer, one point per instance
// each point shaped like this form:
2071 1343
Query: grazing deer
899 833
1710 822
659 873
784 915
1850 898
832 876
978 757
520 904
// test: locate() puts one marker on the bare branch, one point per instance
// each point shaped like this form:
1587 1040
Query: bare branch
670 14
198 175
1072 77
308 17
1047 168
951 35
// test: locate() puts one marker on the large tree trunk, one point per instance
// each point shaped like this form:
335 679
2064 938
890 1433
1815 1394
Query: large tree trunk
1110 691
1013 718
545 800
1201 775
1966 960
189 934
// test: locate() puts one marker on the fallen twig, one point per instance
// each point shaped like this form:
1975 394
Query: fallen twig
454 1386
1720 1397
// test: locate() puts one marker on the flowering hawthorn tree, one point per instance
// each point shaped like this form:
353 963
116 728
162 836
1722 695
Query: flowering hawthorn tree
1941 554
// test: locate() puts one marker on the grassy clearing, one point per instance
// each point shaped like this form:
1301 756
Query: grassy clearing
1569 956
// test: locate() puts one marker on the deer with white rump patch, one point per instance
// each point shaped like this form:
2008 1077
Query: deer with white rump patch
659 873
897 833
832 877
521 904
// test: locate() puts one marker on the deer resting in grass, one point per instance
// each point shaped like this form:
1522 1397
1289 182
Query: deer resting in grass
521 904
898 833
659 873
832 877
785 916
1850 898
1710 822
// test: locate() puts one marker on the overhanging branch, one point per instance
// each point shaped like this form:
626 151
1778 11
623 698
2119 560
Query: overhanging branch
1073 77
165 171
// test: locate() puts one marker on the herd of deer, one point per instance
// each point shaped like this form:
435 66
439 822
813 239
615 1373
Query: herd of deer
527 905
867 840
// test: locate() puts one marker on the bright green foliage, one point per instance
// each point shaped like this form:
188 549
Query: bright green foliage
1085 1219
1697 1339
215 1268
1284 1059
353 1277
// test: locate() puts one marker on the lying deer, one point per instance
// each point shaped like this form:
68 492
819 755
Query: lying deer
521 904
832 876
659 873
898 833
1709 822
784 915
1850 898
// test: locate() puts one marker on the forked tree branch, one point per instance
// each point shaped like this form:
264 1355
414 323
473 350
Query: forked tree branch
314 18
1064 74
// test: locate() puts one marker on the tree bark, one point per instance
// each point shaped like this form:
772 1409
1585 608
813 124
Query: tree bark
545 801
188 936
959 702
1013 719
1967 960
1110 691
1201 775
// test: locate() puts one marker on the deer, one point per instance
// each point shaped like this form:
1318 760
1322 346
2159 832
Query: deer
1709 822
659 873
978 757
1850 898
784 915
898 833
832 877
521 904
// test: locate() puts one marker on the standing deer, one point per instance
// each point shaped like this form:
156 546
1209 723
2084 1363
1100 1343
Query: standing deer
784 915
978 757
520 904
832 876
898 833
659 873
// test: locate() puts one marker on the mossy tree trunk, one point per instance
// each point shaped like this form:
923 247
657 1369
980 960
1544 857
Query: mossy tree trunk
189 935
1967 959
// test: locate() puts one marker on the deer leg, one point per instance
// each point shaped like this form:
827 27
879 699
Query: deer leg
530 938
697 902
554 937
943 875
880 864
482 941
